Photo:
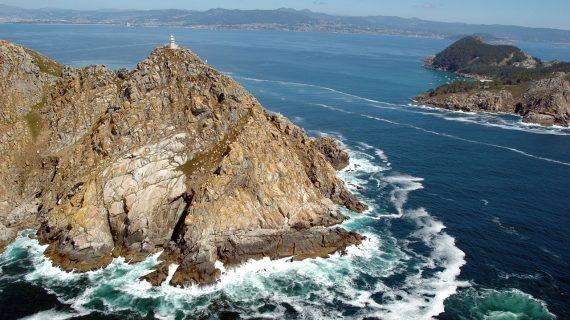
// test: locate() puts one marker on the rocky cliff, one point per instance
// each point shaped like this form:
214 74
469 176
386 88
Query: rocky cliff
172 156
511 81
545 101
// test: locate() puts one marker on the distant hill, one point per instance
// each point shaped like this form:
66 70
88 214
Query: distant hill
471 55
284 19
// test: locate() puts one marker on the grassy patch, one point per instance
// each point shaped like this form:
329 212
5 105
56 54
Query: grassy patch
46 65
34 119
210 159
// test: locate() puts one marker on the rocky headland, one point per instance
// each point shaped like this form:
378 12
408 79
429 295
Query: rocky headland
172 156
501 78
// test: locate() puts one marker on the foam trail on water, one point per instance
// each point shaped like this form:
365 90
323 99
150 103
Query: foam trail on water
403 185
519 126
526 154
488 119
381 155
421 297
311 86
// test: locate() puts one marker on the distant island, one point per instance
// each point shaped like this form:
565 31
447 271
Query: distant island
501 78
284 19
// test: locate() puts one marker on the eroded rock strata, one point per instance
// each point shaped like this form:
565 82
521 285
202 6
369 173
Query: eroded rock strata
172 156
545 101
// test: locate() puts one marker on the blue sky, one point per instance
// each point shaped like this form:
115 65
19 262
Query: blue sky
541 13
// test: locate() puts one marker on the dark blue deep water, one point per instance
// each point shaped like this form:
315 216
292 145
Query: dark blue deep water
470 214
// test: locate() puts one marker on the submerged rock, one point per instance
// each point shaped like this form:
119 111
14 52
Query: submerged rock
172 156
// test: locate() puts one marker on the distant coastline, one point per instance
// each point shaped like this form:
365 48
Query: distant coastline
221 28
283 19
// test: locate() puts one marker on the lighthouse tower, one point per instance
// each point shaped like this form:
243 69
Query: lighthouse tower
172 43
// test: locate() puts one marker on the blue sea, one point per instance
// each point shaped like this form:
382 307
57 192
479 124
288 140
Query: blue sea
469 213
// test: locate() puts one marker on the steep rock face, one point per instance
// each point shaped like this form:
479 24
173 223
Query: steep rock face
544 101
25 77
172 156
487 101
547 102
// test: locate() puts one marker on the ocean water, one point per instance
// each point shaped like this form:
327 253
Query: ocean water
469 213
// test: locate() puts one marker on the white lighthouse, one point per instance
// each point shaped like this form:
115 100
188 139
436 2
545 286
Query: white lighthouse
172 43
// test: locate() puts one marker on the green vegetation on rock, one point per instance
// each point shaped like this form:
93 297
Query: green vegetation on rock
473 56
46 65
508 67
34 119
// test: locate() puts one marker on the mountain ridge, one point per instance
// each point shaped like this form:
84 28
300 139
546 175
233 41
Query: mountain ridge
283 19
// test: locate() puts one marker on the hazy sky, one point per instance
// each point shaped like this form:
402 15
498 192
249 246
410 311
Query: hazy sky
541 13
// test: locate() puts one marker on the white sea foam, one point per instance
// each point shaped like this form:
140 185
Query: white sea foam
51 314
172 269
422 297
526 154
365 146
403 184
493 120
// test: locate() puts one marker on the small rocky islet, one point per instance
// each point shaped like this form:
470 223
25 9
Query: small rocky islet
501 79
172 156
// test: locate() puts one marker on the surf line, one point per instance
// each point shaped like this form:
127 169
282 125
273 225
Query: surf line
316 86
403 107
445 135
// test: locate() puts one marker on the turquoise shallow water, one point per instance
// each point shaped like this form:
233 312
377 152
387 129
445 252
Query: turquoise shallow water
469 213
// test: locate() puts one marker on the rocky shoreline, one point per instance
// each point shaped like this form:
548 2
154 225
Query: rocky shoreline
545 102
172 156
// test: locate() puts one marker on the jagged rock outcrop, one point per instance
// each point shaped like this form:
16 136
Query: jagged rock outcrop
332 151
172 156
487 101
